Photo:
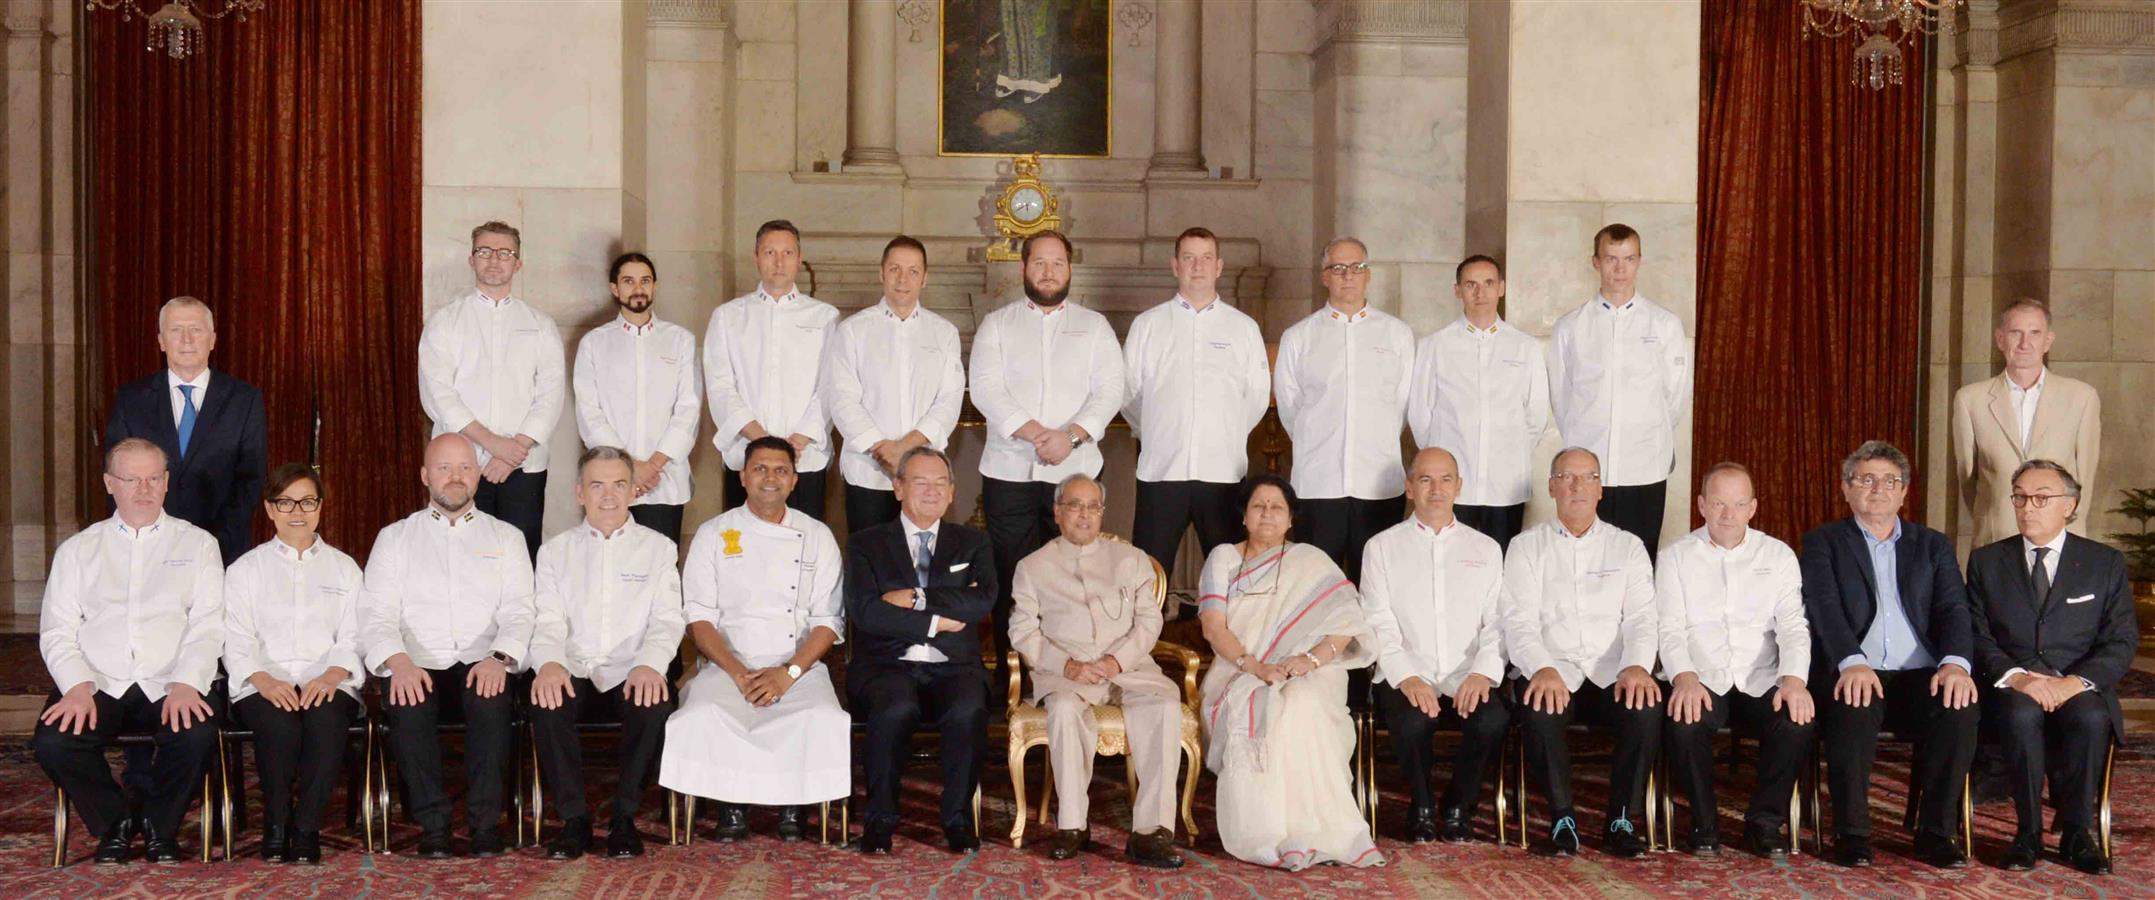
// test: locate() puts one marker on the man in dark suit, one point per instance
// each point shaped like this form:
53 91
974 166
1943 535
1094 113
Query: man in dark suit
2054 630
1890 631
916 591
210 425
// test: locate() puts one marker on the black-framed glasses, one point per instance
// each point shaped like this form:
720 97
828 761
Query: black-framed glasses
2036 500
494 253
303 504
1867 481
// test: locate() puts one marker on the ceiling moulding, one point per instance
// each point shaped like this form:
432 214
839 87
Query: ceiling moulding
1394 21
2109 27
685 14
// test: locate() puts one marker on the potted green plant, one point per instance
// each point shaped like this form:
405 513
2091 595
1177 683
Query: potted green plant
2139 547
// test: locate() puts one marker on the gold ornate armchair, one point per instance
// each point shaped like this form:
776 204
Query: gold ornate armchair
1029 726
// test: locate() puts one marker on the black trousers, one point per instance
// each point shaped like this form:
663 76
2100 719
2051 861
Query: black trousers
76 762
1500 523
869 507
1166 508
1481 736
893 698
1636 509
2067 744
519 501
1944 739
807 493
1782 747
1548 748
561 754
664 518
414 740
307 745
1341 526
1021 519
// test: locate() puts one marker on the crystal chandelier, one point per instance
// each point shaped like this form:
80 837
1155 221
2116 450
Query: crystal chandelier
1883 24
177 26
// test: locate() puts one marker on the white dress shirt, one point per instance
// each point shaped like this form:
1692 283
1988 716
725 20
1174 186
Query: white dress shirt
1584 605
1483 394
1620 379
1734 617
447 590
1435 601
292 614
2050 571
129 607
761 359
765 586
607 604
1059 367
1195 384
885 377
1342 386
497 363
2024 403
637 389
201 385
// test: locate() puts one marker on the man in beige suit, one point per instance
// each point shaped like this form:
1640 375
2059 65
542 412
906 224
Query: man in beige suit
1084 619
2024 413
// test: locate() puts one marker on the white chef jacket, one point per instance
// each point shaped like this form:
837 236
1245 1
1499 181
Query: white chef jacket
764 586
761 360
1620 379
1341 382
292 614
637 389
607 604
446 590
1582 604
1482 394
134 608
1058 367
1435 601
883 377
497 363
1196 384
1734 617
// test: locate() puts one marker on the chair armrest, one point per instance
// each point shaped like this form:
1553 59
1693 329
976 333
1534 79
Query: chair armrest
1016 664
1170 653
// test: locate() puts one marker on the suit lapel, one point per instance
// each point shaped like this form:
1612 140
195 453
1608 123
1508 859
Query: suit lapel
2069 559
2046 414
2001 409
1861 547
1904 565
946 550
157 408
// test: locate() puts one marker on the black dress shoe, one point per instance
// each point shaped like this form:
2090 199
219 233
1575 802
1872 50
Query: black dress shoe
622 841
2083 852
1153 849
486 843
1852 851
961 838
161 849
1939 852
875 838
2021 856
1421 824
1765 842
572 841
792 823
1564 837
1705 845
118 844
1458 826
732 823
274 846
1623 841
1069 842
306 848
435 845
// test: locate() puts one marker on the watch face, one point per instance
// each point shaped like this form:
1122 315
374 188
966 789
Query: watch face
1027 205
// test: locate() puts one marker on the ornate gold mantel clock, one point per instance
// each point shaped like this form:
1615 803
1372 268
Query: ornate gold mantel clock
1025 208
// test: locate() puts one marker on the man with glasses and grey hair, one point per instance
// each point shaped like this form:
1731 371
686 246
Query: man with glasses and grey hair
1085 620
1890 632
1341 383
2054 631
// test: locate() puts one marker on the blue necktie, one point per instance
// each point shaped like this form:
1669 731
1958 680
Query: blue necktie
187 417
920 557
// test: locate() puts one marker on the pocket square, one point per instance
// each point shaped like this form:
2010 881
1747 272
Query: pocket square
960 567
2083 598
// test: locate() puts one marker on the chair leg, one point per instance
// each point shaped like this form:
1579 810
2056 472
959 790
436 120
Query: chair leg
1818 806
976 809
1795 818
688 819
1523 774
1195 754
382 798
2102 809
59 826
1503 807
1017 791
823 824
1967 815
224 774
538 794
207 827
1653 808
364 797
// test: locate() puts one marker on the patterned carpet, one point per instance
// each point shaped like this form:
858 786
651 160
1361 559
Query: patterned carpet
766 868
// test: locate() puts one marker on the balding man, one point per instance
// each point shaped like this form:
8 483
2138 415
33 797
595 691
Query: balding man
131 630
1433 589
449 608
2025 412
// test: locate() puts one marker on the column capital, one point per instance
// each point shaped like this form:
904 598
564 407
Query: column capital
1392 21
2117 27
685 14
1975 34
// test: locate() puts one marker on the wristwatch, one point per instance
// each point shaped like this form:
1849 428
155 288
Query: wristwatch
505 659
793 671
1077 440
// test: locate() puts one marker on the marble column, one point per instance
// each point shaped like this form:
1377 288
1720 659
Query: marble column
872 86
1176 94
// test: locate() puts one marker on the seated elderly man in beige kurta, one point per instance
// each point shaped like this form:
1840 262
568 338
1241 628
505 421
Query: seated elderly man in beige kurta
1085 621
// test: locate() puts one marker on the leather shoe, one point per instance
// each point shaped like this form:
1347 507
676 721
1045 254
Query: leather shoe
435 845
306 848
622 839
1852 852
792 823
274 845
961 838
485 844
1765 842
1069 842
1458 826
1939 852
572 841
875 838
732 823
2083 852
2022 855
162 850
1153 849
1421 824
118 844
1622 840
1564 837
1705 844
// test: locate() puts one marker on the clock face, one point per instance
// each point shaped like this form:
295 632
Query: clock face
1028 204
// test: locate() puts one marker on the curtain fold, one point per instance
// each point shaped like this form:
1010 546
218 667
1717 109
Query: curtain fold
275 175
1811 247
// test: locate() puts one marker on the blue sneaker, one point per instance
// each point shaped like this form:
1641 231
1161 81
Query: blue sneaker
1564 835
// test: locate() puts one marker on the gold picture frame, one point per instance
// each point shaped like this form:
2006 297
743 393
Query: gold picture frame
1021 77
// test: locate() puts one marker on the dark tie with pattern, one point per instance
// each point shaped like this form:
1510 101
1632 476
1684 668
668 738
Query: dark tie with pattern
2041 576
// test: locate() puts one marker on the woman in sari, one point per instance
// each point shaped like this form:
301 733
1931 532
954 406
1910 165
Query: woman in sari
1285 627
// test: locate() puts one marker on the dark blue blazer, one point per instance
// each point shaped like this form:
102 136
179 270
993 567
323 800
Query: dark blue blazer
961 587
1840 592
218 484
2085 627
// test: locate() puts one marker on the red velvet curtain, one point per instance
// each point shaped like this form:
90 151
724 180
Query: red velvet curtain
1811 246
275 175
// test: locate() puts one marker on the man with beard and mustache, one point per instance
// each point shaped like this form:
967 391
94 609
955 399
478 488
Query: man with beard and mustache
1047 376
490 369
449 616
635 383
762 356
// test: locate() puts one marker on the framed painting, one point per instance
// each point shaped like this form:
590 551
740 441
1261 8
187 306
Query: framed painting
1027 76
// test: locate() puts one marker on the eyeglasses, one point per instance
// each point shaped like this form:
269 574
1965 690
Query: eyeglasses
1091 509
1889 482
2037 500
494 253
1577 478
1345 269
287 504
